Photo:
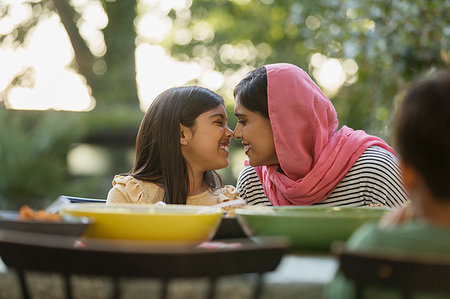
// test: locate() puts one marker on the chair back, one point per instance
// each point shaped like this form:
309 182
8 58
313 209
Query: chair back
73 199
408 274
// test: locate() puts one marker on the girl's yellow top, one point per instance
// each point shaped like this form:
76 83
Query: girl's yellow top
127 189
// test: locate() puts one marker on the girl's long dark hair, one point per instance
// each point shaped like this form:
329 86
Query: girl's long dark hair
158 150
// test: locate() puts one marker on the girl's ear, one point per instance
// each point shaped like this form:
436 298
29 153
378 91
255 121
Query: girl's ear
185 135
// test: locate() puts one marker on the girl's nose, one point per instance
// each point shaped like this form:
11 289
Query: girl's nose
228 132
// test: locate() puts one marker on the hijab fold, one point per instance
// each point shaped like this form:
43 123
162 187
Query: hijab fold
313 155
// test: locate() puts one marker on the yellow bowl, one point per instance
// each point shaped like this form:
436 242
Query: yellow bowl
169 223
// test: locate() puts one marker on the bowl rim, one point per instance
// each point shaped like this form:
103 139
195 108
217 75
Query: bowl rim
316 212
141 209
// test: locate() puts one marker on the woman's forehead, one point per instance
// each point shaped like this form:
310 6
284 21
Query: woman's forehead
239 109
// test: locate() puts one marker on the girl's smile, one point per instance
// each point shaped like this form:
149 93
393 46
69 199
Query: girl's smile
224 146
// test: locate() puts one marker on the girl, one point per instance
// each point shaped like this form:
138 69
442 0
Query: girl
298 157
182 139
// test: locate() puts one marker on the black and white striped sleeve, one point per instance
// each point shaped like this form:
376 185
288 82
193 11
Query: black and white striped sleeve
374 179
250 187
382 178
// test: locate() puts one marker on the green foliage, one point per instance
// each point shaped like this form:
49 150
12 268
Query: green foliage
115 117
33 148
34 145
111 76
392 43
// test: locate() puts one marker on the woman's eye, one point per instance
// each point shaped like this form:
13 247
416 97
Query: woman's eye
219 122
243 122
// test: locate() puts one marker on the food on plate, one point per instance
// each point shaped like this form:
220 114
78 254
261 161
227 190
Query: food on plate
377 205
230 201
27 213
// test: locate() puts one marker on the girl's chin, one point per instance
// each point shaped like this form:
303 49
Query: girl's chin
226 163
222 165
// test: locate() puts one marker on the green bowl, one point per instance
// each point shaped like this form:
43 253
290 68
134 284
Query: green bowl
308 228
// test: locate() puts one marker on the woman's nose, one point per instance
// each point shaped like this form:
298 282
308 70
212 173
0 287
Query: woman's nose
237 132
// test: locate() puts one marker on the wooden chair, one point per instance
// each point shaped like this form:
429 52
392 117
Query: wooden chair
74 199
50 253
407 274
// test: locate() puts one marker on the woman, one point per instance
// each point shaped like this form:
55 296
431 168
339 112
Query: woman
296 154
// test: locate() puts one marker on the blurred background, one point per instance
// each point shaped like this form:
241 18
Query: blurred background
77 75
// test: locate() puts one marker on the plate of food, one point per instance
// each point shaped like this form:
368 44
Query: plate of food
158 223
308 228
29 220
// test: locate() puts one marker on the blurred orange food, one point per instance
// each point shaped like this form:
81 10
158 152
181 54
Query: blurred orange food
27 213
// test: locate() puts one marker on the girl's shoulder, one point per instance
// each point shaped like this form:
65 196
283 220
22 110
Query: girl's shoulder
132 190
129 181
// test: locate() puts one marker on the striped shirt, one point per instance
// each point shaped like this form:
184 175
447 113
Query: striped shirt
374 179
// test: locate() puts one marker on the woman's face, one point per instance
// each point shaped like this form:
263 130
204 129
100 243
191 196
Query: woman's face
207 147
256 134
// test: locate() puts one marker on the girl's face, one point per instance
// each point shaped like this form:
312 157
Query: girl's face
205 146
256 134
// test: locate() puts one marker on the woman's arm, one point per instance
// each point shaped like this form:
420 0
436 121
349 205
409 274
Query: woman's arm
250 187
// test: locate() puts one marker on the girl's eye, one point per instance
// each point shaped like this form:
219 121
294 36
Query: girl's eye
243 122
219 122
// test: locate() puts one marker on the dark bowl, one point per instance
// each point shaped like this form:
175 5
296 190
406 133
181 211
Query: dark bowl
229 229
69 226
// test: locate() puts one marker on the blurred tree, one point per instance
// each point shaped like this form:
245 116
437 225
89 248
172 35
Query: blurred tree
380 44
390 41
34 145
111 75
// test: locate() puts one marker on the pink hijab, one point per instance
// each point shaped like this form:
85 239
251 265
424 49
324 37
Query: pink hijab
313 155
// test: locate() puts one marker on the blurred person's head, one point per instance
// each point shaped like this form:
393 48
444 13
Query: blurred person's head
422 134
184 129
